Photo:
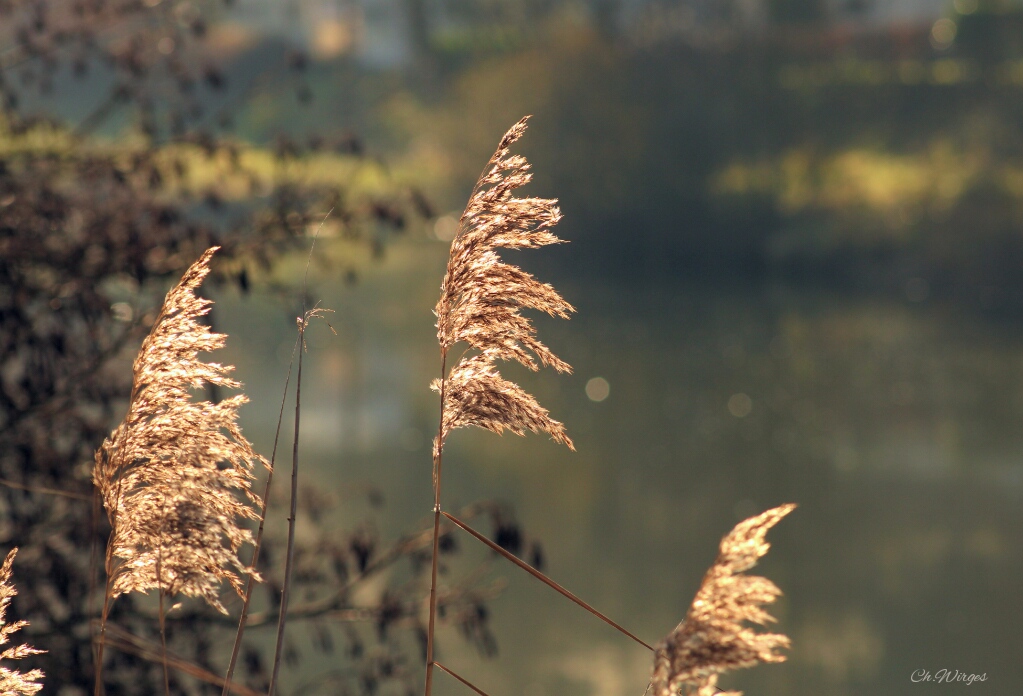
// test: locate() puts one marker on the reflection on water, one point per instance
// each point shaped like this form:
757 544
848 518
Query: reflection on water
894 423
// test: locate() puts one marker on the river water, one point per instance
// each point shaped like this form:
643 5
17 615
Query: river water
894 422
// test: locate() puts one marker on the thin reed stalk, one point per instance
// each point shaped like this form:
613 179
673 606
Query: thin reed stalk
289 563
162 612
465 681
303 324
251 583
44 490
163 644
93 569
437 454
544 579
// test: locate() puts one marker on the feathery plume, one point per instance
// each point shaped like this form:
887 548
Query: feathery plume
11 681
170 474
481 297
713 639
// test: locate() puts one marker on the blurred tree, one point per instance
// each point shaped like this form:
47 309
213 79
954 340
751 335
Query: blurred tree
91 230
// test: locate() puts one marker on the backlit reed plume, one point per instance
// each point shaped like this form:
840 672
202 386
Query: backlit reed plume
713 637
480 299
175 475
11 681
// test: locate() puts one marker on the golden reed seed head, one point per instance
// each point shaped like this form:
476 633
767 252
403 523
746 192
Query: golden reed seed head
175 476
11 681
713 638
481 298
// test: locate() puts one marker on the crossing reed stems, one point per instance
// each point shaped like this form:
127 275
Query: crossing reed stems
251 582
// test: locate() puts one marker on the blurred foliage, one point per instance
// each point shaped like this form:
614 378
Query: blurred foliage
97 214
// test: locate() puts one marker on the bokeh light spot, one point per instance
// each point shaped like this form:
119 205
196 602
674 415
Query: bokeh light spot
943 33
740 405
445 228
598 389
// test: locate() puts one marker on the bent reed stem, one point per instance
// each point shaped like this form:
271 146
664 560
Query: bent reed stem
544 579
465 681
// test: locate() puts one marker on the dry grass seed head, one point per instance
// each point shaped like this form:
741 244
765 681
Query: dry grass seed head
170 475
713 638
481 298
11 681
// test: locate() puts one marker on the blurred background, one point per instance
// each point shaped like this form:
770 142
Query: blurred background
796 244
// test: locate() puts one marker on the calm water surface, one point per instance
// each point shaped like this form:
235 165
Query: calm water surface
894 423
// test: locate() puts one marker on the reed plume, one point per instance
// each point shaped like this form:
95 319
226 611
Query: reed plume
481 297
175 476
480 302
11 681
713 637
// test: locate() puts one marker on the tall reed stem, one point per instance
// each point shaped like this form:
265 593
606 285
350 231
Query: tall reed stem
159 588
98 689
437 454
163 644
108 567
251 583
289 563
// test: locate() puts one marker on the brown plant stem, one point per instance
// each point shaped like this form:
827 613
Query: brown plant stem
126 642
97 504
163 594
543 578
289 563
98 689
163 614
108 567
437 455
42 489
472 686
303 322
163 644
250 583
